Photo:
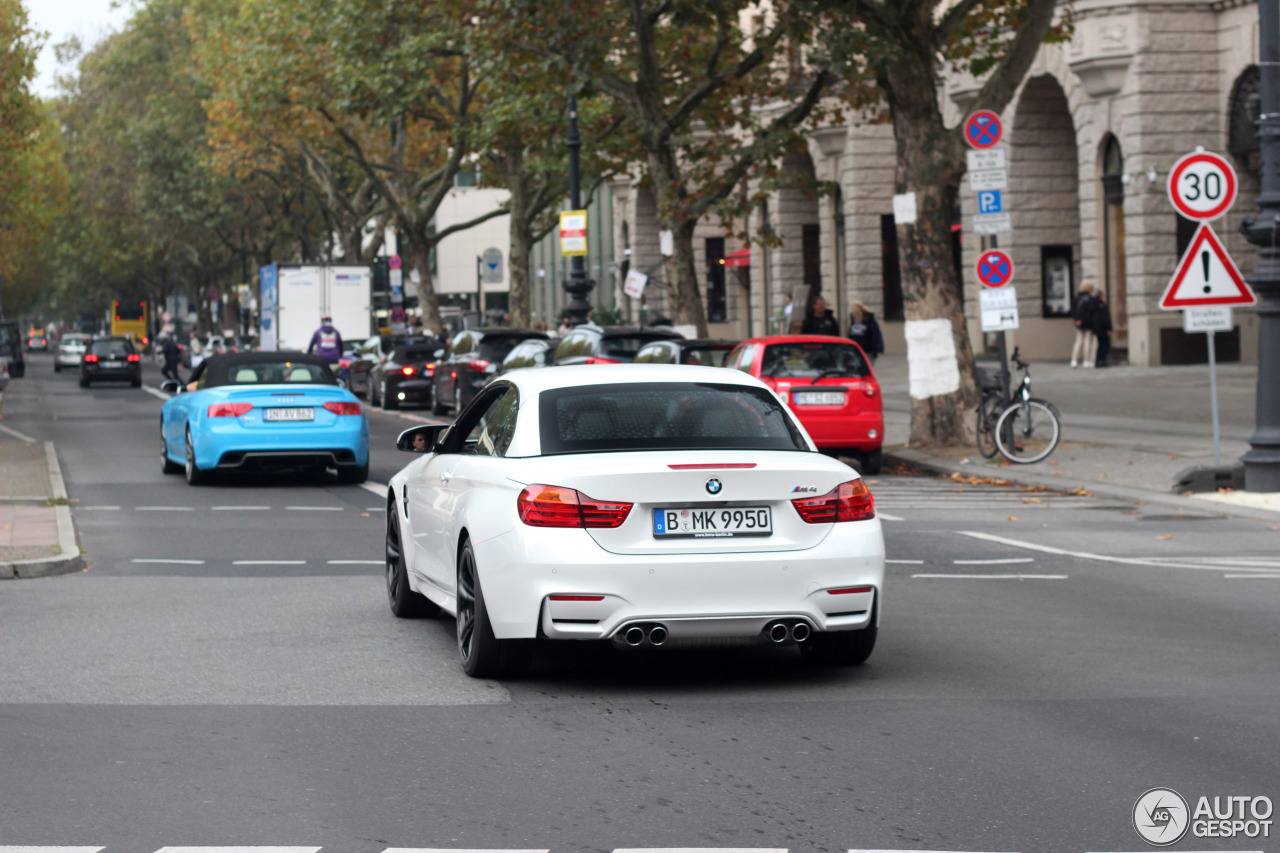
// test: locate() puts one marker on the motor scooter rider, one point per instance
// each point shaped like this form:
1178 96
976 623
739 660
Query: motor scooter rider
326 342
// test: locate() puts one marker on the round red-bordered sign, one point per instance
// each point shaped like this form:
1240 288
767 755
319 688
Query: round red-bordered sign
995 268
1202 186
983 129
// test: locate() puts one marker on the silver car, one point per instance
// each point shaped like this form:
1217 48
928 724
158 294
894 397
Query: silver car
69 352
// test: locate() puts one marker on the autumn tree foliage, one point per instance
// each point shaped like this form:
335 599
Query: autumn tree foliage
897 54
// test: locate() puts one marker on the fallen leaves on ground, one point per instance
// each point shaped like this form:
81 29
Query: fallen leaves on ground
1222 490
1166 536
979 481
1013 518
1080 492
1032 501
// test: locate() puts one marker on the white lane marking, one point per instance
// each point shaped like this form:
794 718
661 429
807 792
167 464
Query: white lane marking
268 562
700 850
233 508
888 517
1250 575
165 508
355 562
907 562
157 393
103 508
178 562
1000 562
995 577
1226 562
4 849
236 850
457 850
374 508
29 440
314 508
1086 555
379 489
904 851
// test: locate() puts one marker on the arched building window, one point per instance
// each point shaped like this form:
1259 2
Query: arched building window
1112 262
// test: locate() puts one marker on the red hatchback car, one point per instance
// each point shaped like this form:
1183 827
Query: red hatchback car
828 383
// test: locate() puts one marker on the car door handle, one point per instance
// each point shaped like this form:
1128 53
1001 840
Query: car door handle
446 477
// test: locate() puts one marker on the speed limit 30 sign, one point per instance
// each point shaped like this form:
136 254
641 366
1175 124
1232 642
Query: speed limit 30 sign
1202 186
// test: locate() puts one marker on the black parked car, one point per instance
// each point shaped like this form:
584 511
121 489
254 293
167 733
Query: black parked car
592 344
372 352
703 351
11 346
472 360
111 358
535 352
406 377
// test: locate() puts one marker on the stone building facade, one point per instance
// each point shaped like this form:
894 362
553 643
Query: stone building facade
1091 137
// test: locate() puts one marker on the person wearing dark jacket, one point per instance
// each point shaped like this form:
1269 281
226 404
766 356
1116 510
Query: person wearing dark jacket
865 331
1101 318
821 321
326 342
172 357
1083 350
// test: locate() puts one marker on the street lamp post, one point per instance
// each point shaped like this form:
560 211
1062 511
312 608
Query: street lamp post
577 285
1262 462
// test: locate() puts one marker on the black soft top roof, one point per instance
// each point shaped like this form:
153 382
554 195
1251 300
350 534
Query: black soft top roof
217 368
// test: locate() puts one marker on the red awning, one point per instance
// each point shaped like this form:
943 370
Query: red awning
740 258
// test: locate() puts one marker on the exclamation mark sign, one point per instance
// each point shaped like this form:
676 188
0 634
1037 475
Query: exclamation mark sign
1204 259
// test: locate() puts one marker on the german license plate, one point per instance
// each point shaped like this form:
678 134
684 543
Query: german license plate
819 398
282 414
718 523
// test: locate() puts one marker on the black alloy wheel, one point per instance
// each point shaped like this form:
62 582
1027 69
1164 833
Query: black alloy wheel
195 476
167 465
481 653
405 603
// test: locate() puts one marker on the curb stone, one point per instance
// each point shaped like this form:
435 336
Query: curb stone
1025 475
70 559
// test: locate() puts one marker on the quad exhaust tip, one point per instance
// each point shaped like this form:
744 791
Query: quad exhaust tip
638 635
657 635
634 635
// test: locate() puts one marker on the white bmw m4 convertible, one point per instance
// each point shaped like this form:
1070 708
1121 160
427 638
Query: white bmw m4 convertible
641 504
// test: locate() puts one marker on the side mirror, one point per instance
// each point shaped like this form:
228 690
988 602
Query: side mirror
420 439
171 386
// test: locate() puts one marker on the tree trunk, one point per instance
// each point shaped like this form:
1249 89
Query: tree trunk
686 300
521 237
420 253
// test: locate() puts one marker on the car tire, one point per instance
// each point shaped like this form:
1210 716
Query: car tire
841 648
167 465
405 603
84 383
482 654
373 394
353 474
195 476
872 461
437 408
389 403
457 400
57 368
136 383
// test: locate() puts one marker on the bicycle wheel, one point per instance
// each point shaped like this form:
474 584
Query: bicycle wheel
1028 431
988 413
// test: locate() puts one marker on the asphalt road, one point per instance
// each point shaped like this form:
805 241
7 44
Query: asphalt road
226 673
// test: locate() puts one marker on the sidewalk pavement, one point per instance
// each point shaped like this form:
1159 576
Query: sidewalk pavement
1127 432
37 536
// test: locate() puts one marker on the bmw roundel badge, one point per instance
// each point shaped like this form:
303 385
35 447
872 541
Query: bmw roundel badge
714 486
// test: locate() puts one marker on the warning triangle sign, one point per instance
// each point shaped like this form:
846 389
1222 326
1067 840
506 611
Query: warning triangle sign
1206 275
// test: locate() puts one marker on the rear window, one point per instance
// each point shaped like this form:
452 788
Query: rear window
812 361
416 354
626 346
663 416
271 372
111 347
706 356
494 348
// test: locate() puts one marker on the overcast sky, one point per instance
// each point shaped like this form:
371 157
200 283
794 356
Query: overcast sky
62 19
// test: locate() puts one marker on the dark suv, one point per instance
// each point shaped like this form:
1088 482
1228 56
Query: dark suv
591 344
111 358
472 359
11 346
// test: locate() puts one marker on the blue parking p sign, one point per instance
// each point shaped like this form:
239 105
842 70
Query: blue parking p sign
989 202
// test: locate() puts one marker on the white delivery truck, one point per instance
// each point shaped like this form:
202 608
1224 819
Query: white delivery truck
294 298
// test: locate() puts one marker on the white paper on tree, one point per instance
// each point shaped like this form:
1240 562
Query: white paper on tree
932 368
666 243
634 284
904 209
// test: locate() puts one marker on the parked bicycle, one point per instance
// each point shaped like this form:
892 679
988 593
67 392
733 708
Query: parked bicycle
1022 428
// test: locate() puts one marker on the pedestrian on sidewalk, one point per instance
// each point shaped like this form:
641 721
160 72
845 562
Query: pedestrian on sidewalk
1083 351
1102 328
865 331
821 321
172 358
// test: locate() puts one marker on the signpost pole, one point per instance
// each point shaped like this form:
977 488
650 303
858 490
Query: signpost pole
577 285
480 288
1213 395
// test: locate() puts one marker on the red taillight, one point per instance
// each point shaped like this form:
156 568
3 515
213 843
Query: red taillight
555 506
849 590
478 364
407 371
341 407
430 365
229 410
575 597
134 357
710 466
91 358
869 389
344 362
850 501
595 359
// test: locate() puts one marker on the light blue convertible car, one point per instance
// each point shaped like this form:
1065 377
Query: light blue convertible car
263 411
